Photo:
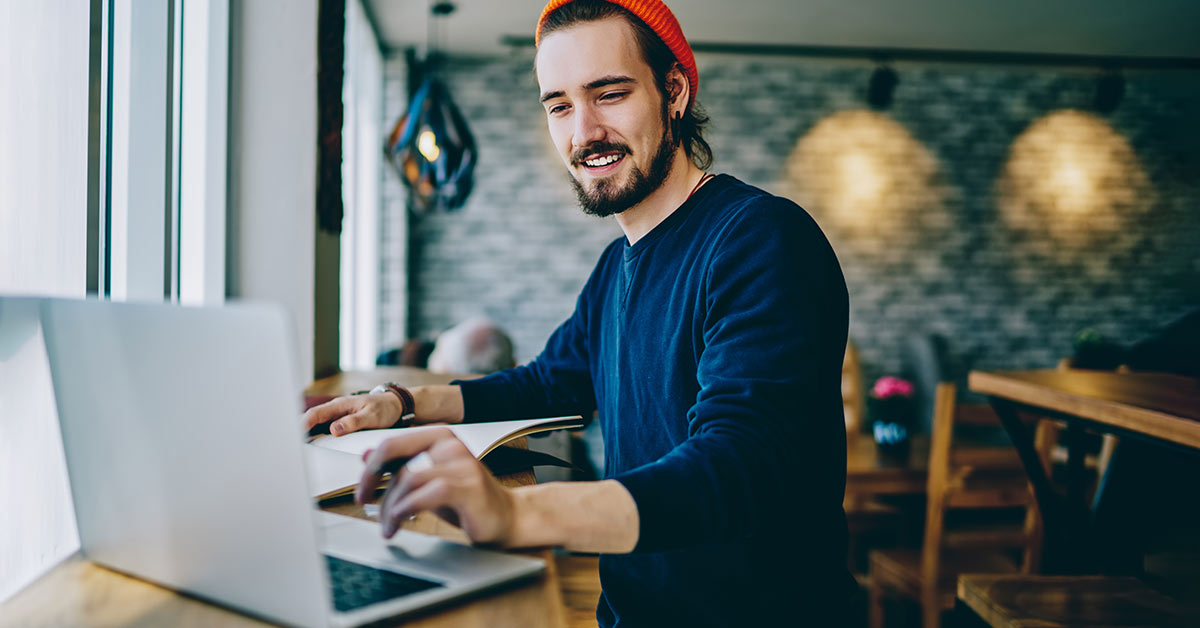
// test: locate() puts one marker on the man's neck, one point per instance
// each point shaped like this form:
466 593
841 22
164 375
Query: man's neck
640 219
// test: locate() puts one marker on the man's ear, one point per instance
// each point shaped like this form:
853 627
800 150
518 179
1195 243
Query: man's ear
678 91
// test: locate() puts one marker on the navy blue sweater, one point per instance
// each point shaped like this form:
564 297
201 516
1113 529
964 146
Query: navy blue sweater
712 350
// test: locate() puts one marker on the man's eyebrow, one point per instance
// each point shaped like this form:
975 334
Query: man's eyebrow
603 81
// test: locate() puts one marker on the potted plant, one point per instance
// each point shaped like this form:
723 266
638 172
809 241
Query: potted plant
890 406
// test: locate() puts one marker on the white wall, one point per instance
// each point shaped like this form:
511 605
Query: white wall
43 224
272 151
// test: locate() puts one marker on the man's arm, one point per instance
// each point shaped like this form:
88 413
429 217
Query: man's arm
558 382
433 404
581 516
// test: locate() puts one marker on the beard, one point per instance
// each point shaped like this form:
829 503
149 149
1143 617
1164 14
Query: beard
607 197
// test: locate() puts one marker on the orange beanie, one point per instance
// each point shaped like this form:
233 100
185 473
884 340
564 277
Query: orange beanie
659 18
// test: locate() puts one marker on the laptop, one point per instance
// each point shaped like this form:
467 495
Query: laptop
183 441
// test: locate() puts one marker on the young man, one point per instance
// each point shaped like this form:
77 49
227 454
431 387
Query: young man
710 340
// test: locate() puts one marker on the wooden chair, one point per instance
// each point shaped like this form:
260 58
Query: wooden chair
960 478
853 395
866 516
1097 462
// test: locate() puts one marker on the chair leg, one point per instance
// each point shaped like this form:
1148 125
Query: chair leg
931 611
875 605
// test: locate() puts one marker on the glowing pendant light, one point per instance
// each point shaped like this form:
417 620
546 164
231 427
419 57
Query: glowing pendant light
431 145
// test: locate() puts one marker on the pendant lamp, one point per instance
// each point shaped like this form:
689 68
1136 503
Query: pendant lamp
431 146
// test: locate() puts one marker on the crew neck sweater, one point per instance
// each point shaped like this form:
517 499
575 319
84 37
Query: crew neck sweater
711 351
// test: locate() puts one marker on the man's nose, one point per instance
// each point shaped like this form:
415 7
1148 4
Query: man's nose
588 127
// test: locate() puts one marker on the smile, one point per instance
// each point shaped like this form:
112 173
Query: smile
603 160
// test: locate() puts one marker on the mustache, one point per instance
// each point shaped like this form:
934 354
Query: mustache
597 148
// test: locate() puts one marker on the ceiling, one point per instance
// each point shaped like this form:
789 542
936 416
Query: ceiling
1164 28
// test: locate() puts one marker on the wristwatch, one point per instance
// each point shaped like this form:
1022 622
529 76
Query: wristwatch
408 405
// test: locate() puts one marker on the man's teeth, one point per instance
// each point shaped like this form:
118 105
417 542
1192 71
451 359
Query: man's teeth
601 161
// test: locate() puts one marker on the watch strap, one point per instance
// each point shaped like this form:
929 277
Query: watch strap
408 405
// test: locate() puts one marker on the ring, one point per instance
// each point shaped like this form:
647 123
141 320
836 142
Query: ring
420 462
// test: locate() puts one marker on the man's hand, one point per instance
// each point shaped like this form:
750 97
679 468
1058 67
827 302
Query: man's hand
434 404
355 412
442 477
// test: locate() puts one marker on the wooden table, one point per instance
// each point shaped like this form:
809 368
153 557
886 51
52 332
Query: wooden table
1154 407
79 593
1023 601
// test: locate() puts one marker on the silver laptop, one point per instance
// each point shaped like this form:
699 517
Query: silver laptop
181 428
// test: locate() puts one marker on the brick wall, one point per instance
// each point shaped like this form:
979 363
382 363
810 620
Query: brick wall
938 208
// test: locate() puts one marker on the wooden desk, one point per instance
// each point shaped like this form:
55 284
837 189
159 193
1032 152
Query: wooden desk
1155 407
1023 601
79 593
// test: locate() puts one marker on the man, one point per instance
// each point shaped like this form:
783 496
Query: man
709 338
475 345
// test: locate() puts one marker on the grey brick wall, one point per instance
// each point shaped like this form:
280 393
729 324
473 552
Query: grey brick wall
948 237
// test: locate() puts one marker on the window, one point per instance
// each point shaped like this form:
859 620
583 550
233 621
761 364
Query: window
104 108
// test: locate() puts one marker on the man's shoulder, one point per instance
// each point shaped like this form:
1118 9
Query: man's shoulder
743 208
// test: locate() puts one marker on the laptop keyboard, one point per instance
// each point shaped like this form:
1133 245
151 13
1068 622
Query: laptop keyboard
356 586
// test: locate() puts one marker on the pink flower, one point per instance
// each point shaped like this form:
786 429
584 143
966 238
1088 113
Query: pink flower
889 386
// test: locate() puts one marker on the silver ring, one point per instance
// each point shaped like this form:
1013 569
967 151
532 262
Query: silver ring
420 462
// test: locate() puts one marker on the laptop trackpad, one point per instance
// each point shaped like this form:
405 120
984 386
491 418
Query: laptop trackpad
416 554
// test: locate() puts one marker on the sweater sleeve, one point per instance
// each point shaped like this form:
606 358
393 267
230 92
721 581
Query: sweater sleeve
766 439
556 383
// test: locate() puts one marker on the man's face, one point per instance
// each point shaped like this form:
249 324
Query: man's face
606 114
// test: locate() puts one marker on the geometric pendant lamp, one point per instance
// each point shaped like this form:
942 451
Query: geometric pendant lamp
433 150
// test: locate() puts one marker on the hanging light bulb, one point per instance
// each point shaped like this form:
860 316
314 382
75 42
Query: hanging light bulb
427 144
431 146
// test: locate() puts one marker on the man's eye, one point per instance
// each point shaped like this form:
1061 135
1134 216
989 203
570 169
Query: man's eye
556 109
613 95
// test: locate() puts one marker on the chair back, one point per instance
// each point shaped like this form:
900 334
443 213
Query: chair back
853 393
976 478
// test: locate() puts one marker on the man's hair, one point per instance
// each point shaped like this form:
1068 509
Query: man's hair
690 128
475 345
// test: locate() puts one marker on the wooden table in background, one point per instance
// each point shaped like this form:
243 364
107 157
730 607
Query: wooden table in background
79 593
1024 601
352 381
1153 407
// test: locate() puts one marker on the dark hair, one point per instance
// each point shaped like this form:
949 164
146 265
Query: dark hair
689 130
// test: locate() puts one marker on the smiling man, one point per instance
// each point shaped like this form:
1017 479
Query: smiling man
709 339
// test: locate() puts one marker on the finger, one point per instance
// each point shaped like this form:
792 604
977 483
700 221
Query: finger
433 495
448 449
400 486
329 411
392 452
409 479
390 497
350 423
412 476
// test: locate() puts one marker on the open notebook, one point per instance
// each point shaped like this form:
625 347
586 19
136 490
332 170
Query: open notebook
335 462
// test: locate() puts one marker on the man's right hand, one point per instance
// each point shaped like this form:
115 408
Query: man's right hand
355 412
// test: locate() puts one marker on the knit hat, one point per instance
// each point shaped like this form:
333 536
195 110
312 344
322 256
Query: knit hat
659 18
